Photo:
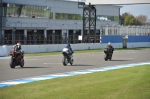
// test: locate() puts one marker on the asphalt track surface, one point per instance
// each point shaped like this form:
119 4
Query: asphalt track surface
45 65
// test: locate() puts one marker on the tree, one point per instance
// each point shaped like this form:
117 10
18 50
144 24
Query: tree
123 16
142 19
130 20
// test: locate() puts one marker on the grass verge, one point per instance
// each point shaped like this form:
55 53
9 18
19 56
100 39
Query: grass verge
80 51
127 83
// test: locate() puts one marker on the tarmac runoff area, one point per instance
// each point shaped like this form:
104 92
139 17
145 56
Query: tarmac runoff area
49 67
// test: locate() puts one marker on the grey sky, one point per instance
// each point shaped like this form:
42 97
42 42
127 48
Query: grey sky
138 9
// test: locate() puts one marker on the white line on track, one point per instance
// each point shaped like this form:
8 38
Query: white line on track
51 76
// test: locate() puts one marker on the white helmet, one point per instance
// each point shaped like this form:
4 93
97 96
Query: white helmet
109 43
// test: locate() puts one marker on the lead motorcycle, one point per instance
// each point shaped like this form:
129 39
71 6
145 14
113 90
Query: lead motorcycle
108 54
67 58
17 58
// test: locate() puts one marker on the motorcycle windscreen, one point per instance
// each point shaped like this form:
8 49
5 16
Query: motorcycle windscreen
65 50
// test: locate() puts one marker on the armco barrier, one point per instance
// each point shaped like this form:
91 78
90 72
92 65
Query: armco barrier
59 47
138 44
3 51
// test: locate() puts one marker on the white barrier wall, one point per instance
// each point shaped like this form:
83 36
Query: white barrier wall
59 47
3 50
139 44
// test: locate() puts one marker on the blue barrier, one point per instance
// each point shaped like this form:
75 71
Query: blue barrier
138 39
112 39
118 39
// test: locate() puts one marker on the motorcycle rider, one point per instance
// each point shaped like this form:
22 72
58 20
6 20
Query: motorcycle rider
17 48
70 49
110 47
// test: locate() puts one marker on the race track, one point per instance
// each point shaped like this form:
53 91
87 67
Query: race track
45 65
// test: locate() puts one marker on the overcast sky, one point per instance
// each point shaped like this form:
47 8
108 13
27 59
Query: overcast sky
136 10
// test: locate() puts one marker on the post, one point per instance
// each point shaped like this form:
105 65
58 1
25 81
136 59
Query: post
13 35
100 37
74 33
35 37
45 36
124 39
1 21
25 36
53 37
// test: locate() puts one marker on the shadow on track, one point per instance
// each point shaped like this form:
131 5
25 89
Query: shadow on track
30 67
120 60
81 65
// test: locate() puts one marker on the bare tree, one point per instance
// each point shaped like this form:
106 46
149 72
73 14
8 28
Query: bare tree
142 19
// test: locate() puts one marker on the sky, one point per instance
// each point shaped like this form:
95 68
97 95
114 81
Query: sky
136 10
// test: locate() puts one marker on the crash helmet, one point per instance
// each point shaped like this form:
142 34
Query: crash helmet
19 45
109 43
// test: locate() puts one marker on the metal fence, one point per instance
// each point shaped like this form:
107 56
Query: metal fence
57 39
40 38
125 30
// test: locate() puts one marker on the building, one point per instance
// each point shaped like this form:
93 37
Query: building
49 21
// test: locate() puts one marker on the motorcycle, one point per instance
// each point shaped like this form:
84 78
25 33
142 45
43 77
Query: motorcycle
67 58
108 54
17 58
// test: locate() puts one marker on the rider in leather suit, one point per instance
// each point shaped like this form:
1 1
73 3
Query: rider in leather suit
70 49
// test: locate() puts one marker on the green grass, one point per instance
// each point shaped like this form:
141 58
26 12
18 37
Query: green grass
58 53
127 83
80 51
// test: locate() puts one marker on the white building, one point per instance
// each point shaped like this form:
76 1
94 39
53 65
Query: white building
49 21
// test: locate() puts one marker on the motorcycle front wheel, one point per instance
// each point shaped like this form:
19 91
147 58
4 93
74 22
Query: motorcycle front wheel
12 63
105 57
22 63
65 61
71 62
110 57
